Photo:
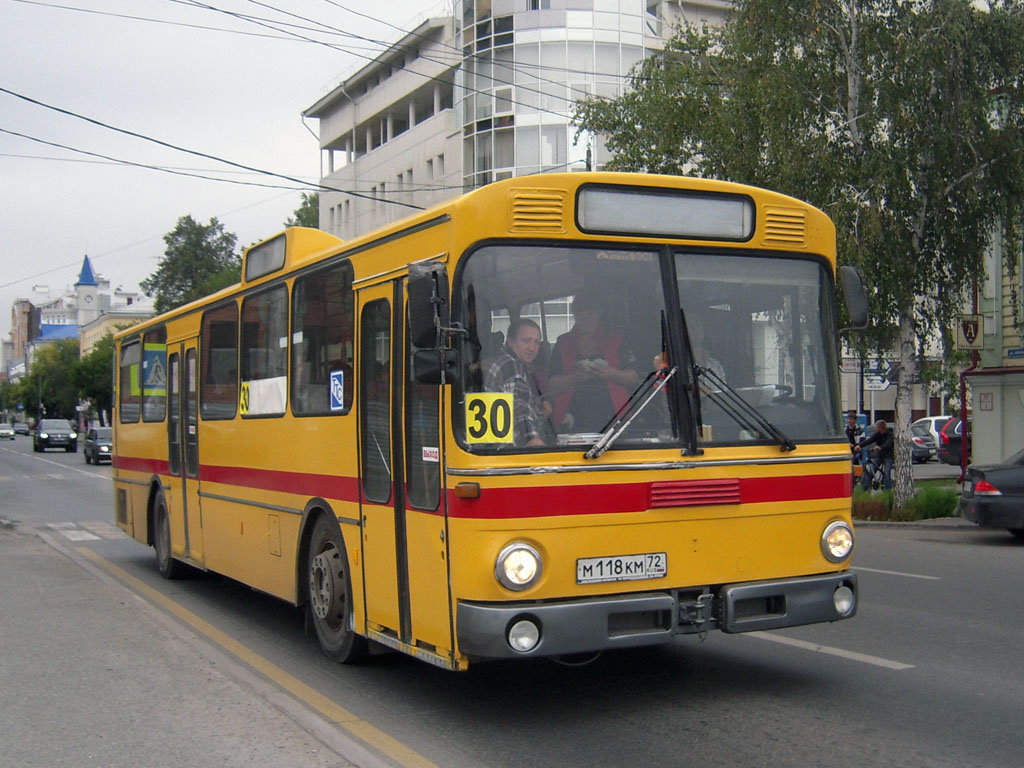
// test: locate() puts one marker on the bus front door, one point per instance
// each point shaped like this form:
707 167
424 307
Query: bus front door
404 538
183 446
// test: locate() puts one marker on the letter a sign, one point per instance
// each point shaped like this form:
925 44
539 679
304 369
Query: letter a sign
969 333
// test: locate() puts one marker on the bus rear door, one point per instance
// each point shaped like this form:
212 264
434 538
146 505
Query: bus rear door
183 445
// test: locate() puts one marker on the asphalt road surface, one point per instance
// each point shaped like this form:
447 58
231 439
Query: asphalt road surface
929 673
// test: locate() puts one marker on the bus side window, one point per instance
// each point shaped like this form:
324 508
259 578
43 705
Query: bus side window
154 375
322 341
265 352
375 363
129 390
218 394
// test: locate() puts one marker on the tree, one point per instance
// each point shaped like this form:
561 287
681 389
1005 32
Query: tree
48 389
903 120
307 214
199 260
94 375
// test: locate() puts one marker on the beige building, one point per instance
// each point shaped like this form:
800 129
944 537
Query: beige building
483 95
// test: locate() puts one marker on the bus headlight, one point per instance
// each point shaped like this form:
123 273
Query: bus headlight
837 541
518 566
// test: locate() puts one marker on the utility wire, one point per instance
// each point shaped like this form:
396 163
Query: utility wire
206 155
164 169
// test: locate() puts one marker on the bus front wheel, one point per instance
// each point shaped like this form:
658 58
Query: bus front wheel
330 594
169 567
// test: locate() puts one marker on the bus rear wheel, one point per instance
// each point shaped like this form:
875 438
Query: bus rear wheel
169 567
329 593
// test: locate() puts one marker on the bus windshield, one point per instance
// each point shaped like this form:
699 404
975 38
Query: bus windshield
558 339
764 327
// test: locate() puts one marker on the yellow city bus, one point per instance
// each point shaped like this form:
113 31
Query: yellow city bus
491 430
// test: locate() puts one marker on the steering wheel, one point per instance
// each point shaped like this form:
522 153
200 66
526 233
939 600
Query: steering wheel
783 392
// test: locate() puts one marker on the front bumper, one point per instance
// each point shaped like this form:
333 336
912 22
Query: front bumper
652 618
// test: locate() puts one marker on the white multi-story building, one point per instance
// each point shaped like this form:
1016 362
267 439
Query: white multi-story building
483 95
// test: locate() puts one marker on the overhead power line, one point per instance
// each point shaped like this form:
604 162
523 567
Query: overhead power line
197 153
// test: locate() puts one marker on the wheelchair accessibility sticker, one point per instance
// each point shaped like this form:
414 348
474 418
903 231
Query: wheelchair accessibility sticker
337 390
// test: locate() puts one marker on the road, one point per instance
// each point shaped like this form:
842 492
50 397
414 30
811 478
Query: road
929 673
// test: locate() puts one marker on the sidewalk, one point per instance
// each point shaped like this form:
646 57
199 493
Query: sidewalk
93 676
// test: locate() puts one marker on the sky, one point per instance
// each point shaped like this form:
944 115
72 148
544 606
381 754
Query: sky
179 71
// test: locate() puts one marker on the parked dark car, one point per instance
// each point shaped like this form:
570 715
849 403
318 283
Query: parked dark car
98 445
21 428
950 439
993 496
55 433
922 446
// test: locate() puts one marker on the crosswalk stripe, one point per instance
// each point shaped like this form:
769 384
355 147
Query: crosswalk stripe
93 530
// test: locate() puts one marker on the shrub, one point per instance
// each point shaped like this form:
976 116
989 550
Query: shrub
936 502
928 503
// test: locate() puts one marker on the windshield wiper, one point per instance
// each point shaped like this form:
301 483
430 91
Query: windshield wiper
742 412
629 410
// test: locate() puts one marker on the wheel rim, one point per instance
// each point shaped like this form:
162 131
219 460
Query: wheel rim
327 590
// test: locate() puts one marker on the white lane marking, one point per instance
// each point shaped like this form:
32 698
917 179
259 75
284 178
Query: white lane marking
898 573
80 536
65 467
106 530
95 529
851 655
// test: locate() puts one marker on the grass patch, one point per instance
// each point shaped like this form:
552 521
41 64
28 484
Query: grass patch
931 500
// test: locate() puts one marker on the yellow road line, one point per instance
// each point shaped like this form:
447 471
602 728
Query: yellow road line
359 728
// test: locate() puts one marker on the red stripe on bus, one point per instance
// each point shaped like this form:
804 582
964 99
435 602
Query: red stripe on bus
135 464
509 503
302 483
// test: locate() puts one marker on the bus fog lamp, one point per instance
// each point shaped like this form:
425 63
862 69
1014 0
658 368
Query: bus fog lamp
523 636
843 600
837 541
518 566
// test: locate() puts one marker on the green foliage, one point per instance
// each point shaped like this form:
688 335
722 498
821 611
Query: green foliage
199 260
307 214
936 502
930 501
94 375
878 111
49 383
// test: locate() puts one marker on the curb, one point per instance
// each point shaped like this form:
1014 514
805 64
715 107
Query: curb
944 523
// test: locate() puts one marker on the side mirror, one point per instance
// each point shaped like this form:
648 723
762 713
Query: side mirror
426 366
429 304
856 297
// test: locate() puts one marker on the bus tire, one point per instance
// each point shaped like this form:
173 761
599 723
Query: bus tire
329 594
169 567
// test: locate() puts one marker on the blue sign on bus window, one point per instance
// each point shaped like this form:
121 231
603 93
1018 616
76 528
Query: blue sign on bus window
337 390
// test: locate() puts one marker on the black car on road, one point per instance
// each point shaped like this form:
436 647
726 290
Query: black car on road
98 445
993 495
55 433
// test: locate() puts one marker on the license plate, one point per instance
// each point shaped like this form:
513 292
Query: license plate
593 570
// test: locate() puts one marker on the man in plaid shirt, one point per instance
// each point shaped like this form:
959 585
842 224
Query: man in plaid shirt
511 373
